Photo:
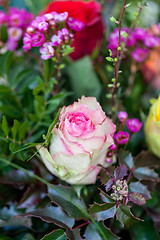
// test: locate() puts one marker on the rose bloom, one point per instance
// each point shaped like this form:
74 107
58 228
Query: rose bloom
152 127
79 143
89 13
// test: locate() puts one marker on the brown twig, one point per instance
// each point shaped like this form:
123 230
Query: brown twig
117 62
120 53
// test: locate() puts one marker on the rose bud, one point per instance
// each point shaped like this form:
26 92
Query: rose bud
79 143
152 127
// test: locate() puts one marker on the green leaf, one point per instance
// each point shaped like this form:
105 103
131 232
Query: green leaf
147 159
109 59
124 215
5 126
23 130
3 237
145 173
4 34
137 198
85 81
15 128
28 236
138 187
105 197
38 88
49 132
53 215
144 230
68 201
126 158
103 211
56 235
92 233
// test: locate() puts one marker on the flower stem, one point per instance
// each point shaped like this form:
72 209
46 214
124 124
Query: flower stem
117 63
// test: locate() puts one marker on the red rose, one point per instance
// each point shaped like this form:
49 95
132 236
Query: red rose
89 13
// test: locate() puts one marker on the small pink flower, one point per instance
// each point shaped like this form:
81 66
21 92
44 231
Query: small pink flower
59 17
56 40
134 125
15 33
122 116
121 137
75 24
47 51
38 39
139 54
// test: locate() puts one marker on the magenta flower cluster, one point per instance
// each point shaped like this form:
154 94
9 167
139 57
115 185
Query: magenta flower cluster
49 32
16 21
138 42
133 125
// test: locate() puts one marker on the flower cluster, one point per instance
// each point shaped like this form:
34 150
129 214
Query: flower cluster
16 22
133 125
50 31
120 189
138 42
90 13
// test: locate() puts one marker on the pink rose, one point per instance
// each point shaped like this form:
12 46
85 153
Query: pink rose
80 142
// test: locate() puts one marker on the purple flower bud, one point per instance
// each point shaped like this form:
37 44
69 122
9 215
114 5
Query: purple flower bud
113 147
122 116
47 51
134 125
139 54
121 137
75 24
109 160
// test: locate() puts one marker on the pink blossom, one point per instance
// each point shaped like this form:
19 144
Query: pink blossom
80 142
38 39
47 51
139 54
56 40
134 125
121 137
59 17
3 18
15 33
122 116
75 24
140 34
152 41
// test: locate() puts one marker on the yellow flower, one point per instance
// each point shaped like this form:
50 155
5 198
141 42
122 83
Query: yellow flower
152 127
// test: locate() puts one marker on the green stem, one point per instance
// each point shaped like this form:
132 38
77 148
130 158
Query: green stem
46 72
14 165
